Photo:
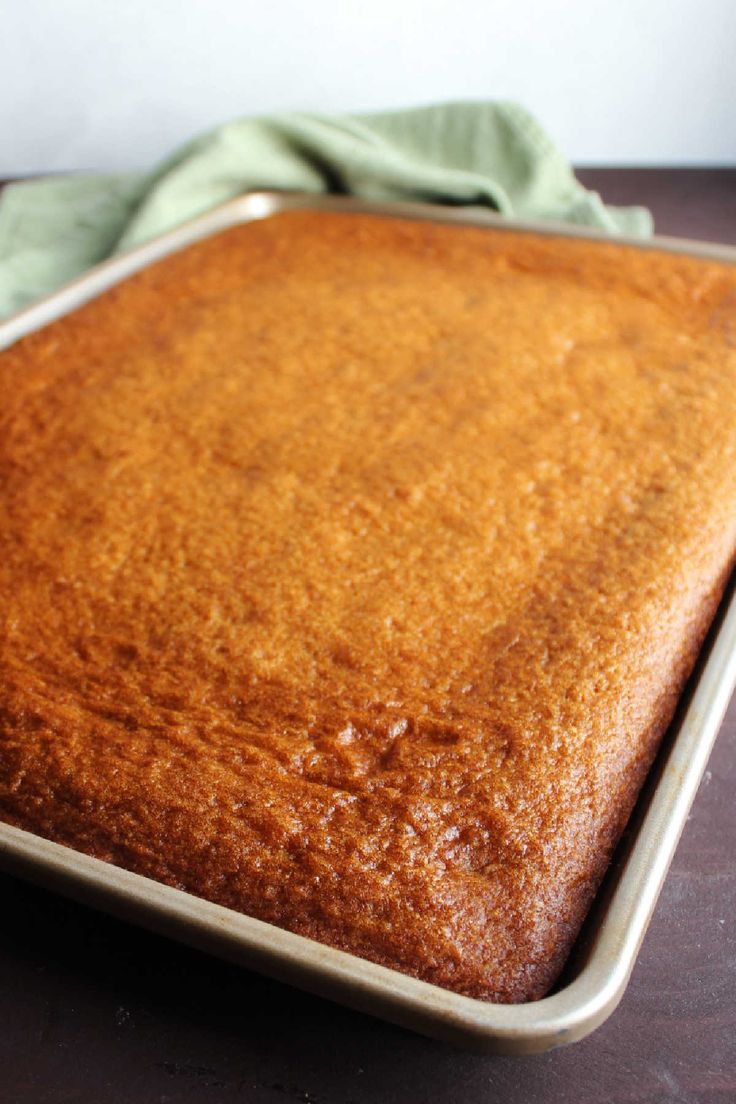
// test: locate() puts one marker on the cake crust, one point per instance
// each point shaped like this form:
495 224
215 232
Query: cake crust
351 569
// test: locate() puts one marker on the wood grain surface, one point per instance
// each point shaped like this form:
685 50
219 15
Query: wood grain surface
94 1010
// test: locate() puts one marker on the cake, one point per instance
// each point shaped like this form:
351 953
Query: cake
351 569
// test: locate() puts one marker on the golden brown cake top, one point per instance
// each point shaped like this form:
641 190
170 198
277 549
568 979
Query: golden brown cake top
351 569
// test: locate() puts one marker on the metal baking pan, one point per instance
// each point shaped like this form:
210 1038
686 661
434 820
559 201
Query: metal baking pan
596 977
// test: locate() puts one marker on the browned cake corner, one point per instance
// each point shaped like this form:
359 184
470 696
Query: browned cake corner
350 571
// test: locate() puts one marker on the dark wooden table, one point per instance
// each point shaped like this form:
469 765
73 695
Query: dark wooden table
94 1011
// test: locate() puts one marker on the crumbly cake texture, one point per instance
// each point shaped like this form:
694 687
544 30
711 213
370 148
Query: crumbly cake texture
351 569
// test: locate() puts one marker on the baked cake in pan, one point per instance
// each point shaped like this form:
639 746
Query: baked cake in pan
351 569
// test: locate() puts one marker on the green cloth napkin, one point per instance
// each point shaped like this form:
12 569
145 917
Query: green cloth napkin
490 154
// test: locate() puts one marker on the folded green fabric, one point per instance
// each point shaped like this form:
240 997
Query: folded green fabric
490 154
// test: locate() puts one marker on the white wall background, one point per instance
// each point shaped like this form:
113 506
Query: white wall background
108 84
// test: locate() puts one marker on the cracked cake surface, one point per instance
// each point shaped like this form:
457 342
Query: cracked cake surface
351 569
